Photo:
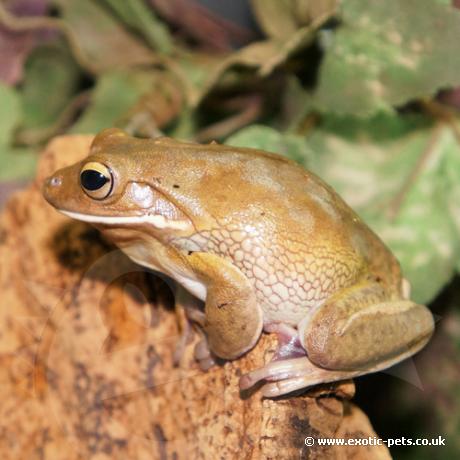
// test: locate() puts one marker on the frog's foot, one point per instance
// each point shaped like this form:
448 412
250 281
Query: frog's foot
187 311
202 353
289 369
289 345
288 375
182 343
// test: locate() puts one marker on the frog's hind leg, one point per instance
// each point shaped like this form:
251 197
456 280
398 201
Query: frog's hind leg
287 375
355 332
289 368
361 328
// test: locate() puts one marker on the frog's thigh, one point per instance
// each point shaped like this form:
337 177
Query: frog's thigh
233 319
359 328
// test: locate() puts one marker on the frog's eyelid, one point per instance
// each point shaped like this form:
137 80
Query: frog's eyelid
105 171
155 220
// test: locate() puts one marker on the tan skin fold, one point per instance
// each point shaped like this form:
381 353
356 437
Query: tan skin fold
263 243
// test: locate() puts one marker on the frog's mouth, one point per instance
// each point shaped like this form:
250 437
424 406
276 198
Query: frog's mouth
155 220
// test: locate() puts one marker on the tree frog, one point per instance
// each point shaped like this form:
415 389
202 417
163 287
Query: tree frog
256 243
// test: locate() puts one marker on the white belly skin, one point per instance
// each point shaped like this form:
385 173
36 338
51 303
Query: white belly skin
291 277
288 284
279 302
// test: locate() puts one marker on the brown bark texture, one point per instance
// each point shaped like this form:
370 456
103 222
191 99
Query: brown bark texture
86 358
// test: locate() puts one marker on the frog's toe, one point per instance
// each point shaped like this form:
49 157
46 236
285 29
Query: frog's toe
203 355
276 370
206 364
181 344
283 387
286 376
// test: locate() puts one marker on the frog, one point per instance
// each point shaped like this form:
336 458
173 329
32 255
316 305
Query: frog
254 243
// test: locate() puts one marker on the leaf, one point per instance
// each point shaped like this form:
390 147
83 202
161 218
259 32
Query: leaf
14 46
280 19
14 163
10 112
295 110
114 95
209 28
264 57
266 138
371 171
51 79
194 70
103 42
141 18
17 163
385 54
371 164
276 17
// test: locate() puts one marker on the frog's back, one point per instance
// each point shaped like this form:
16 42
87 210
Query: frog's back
289 232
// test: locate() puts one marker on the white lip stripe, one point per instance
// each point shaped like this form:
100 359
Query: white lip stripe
152 219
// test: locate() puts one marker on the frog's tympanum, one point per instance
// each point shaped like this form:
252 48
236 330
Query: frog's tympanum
254 242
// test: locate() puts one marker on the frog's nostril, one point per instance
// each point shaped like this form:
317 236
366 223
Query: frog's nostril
55 181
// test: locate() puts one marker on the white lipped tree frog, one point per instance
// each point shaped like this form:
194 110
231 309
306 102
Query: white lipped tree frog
255 243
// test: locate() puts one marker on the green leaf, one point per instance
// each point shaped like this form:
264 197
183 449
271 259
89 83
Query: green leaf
14 163
103 43
266 138
395 178
263 57
51 80
136 14
280 19
193 70
10 112
114 95
385 54
401 175
17 163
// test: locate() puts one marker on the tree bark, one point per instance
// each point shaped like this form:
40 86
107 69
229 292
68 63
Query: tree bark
86 358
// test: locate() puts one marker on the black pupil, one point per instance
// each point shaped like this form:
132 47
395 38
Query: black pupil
93 180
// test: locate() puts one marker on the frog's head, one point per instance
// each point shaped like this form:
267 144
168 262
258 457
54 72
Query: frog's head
117 187
166 187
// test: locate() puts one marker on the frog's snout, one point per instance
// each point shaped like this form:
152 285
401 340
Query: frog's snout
52 187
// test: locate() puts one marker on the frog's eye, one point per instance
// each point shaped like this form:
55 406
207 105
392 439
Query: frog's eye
96 180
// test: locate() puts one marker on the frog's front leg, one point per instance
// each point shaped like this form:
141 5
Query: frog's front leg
233 319
188 309
357 331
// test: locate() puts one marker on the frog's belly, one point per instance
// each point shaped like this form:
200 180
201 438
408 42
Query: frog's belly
287 294
290 278
290 311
